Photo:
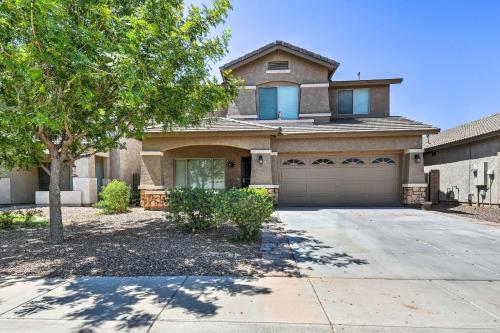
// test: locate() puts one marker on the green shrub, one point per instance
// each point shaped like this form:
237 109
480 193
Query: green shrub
23 219
247 208
115 198
6 220
192 208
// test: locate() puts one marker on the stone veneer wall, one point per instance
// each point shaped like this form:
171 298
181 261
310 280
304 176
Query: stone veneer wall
414 195
153 200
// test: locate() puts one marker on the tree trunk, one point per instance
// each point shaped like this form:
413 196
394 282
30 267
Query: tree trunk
56 225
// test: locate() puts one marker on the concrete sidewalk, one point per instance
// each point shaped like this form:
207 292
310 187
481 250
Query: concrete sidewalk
228 304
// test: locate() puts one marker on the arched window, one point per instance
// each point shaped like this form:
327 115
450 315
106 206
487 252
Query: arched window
293 162
322 161
353 160
383 160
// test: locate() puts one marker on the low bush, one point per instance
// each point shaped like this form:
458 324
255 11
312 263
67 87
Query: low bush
247 208
115 198
199 209
192 208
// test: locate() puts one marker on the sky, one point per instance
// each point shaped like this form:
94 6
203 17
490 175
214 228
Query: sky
447 51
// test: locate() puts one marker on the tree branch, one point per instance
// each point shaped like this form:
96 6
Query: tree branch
33 30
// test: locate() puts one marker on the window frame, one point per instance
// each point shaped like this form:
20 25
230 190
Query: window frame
186 171
278 112
353 161
323 161
383 160
352 113
293 162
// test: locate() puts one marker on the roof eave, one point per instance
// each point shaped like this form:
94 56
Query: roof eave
374 82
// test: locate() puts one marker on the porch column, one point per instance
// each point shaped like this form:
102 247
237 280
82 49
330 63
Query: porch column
152 186
262 171
5 198
414 185
85 180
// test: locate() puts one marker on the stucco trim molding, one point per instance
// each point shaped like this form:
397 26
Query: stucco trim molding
261 151
151 187
151 153
415 185
248 87
264 186
414 150
315 85
317 114
242 116
277 71
102 154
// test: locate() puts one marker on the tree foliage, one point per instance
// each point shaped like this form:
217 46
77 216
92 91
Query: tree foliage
76 76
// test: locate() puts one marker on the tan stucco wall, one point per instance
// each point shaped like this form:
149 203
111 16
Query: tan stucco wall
455 165
314 100
342 144
125 162
23 184
301 70
248 141
379 100
233 174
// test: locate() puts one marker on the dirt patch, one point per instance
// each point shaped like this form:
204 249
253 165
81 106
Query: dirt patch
138 243
484 213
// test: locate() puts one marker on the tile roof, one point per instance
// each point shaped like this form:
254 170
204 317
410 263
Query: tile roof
332 62
469 131
365 124
218 124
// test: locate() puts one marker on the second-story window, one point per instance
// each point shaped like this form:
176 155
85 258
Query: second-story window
354 101
279 103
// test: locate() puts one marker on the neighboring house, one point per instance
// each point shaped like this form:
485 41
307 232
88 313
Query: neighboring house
464 162
79 185
307 138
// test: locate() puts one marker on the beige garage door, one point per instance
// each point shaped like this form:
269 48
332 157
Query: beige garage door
334 180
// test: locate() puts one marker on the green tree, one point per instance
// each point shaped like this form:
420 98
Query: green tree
76 76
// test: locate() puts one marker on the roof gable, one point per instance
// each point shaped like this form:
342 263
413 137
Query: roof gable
286 47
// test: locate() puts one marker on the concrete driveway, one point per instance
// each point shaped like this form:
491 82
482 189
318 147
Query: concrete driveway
391 270
392 244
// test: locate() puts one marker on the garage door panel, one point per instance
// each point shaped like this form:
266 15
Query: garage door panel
340 184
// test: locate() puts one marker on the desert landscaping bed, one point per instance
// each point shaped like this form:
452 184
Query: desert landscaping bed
484 213
137 243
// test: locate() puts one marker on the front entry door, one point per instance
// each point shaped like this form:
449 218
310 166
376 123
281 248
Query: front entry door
246 171
99 172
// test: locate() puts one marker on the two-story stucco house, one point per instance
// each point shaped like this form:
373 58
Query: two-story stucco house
295 130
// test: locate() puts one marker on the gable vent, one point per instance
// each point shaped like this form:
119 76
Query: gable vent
277 65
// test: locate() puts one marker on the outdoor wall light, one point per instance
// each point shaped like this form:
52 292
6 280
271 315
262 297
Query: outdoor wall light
73 167
417 157
261 159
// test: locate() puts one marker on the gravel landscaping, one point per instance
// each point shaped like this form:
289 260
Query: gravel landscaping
137 243
483 213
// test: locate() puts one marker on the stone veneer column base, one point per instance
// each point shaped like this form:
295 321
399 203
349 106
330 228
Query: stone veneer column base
414 196
272 190
153 200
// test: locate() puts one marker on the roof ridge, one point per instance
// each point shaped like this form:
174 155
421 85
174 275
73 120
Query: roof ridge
471 122
280 43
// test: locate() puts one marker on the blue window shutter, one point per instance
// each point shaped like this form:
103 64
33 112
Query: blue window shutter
288 102
361 101
345 102
268 103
